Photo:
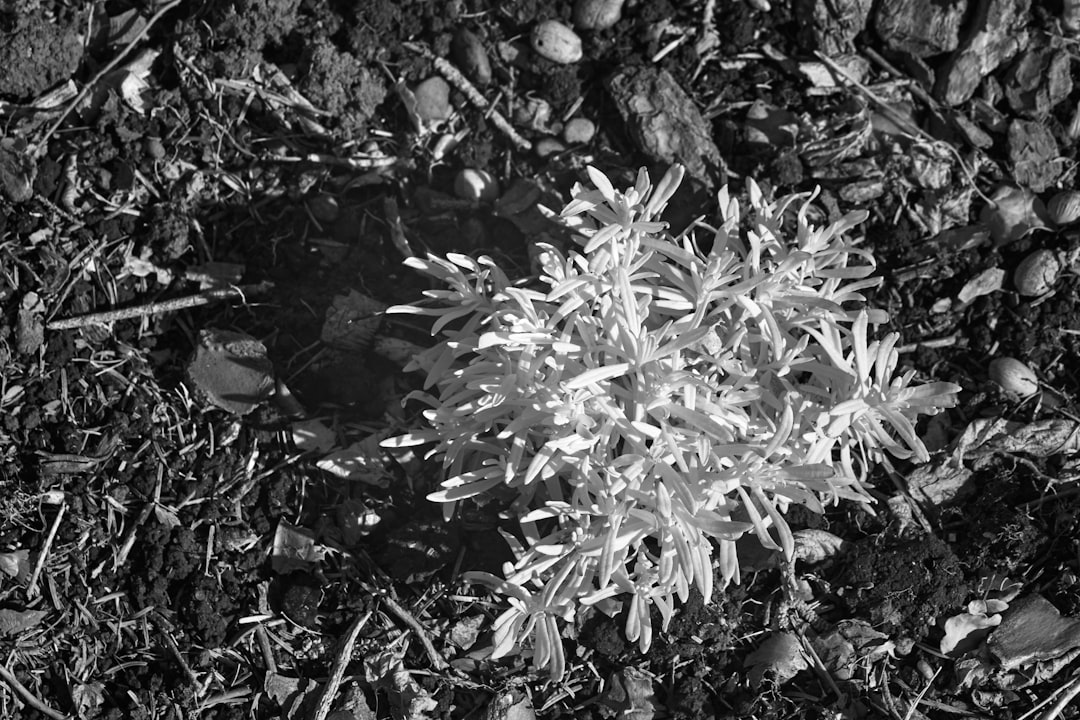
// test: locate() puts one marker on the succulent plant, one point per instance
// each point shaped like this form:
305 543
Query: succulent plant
649 399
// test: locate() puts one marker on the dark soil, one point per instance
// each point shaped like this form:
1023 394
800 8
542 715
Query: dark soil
163 588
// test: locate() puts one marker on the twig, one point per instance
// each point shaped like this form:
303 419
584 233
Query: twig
337 672
121 555
28 697
162 626
455 78
1063 701
109 67
31 588
154 308
406 617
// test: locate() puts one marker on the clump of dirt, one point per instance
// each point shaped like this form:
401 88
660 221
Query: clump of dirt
335 81
904 584
37 52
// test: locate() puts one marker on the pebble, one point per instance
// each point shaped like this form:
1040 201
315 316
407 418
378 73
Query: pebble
1014 376
154 148
556 42
579 131
597 14
324 207
476 185
1037 273
1064 207
433 100
471 57
548 146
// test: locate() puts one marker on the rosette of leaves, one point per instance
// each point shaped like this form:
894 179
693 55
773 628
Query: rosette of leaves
648 399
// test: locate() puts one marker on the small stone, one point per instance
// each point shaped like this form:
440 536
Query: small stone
597 14
579 131
476 185
324 207
556 42
546 147
1014 376
1064 208
470 56
231 370
1037 273
154 148
433 100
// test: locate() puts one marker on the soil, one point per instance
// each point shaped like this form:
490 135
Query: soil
164 558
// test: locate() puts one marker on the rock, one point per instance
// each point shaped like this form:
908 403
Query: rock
17 170
231 370
470 56
665 123
597 14
1064 207
433 100
1038 82
920 27
1033 630
1037 162
579 131
1037 273
556 42
545 147
831 25
997 32
476 185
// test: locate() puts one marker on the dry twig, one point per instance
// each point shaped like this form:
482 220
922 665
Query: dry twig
31 587
337 672
455 78
154 308
28 697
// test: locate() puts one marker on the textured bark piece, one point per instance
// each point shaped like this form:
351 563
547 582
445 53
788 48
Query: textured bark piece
831 25
920 27
996 34
1037 163
665 123
1033 630
1038 81
231 370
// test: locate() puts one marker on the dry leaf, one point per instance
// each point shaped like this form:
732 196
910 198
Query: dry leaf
13 622
313 435
850 644
966 631
1015 213
362 461
781 656
984 283
630 695
15 564
294 549
508 705
813 546
352 321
